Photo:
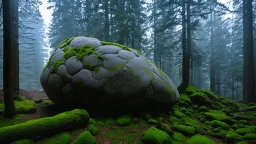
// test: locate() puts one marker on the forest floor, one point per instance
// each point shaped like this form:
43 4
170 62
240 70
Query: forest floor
184 121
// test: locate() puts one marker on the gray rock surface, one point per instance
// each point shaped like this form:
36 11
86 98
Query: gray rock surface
100 73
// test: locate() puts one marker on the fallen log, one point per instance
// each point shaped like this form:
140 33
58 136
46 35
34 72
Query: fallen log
44 126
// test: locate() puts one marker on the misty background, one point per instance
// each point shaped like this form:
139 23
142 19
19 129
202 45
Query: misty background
151 26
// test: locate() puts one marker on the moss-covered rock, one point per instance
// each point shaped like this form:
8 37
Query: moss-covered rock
200 99
164 127
250 136
123 120
155 136
92 121
92 129
247 129
216 115
199 139
173 119
152 122
178 137
217 123
85 138
193 123
185 129
61 138
233 136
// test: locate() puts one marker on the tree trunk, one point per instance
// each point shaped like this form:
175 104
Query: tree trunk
184 45
249 88
10 28
218 78
154 33
188 54
106 28
212 62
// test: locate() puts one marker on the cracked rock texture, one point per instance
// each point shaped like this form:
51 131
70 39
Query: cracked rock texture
87 71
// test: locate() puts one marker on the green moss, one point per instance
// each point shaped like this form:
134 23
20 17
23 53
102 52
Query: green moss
200 98
106 122
62 120
85 138
156 136
149 73
56 65
92 129
173 119
22 106
116 44
11 121
139 52
184 98
161 72
92 68
128 134
190 90
178 113
100 57
243 121
216 115
24 141
92 121
199 139
85 51
62 138
134 75
185 129
170 90
178 137
47 102
193 123
247 129
164 127
250 136
152 122
210 95
65 43
232 136
69 53
202 109
123 120
216 123
116 67
251 108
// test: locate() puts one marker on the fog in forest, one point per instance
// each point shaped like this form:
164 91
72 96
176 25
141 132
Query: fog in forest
152 27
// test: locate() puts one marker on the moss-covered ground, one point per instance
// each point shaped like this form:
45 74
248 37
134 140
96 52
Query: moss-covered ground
200 117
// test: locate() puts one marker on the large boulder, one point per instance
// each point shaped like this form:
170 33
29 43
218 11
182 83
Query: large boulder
87 71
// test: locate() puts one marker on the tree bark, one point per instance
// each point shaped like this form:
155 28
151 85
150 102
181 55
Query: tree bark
188 54
249 78
106 28
10 28
212 61
184 45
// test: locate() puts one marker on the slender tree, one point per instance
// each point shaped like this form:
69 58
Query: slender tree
10 28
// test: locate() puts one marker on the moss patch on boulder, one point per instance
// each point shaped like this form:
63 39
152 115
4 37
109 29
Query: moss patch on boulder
85 138
199 139
156 136
123 120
